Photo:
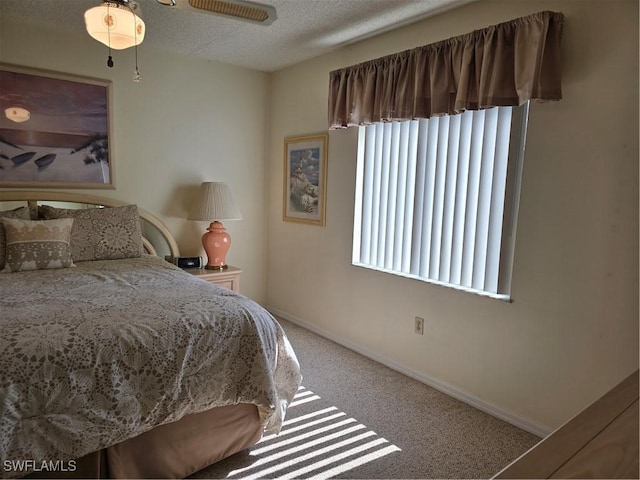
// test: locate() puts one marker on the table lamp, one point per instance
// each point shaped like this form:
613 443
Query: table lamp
214 202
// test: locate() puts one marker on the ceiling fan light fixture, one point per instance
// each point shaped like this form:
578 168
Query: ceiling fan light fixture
238 9
115 24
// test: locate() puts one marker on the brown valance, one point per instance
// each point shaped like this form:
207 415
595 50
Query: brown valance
505 64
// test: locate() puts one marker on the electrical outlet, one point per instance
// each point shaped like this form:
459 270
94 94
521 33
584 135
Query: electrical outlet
419 326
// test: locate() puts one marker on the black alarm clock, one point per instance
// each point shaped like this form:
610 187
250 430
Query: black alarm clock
187 262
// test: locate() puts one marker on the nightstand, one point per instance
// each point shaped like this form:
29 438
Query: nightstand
228 278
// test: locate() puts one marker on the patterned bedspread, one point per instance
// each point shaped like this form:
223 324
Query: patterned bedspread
93 355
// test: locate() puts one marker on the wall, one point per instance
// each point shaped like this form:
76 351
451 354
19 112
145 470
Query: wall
188 121
571 332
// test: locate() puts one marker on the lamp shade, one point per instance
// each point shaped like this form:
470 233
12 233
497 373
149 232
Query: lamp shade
114 24
214 202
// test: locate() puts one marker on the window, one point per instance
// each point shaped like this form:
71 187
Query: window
437 198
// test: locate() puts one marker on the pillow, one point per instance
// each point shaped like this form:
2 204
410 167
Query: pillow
37 244
101 233
22 213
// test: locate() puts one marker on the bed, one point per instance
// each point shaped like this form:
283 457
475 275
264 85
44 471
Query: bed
114 362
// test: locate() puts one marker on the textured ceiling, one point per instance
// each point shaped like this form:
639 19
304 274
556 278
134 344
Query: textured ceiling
303 29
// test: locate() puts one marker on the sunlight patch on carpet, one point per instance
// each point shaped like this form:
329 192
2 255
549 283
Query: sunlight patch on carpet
315 442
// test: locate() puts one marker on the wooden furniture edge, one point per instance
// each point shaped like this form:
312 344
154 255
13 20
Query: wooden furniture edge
551 453
203 271
613 453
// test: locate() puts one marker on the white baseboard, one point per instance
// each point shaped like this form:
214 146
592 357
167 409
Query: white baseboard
509 417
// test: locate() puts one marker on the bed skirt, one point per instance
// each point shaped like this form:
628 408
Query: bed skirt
174 450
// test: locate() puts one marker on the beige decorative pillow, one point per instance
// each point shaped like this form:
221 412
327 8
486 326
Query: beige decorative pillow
101 233
37 244
22 213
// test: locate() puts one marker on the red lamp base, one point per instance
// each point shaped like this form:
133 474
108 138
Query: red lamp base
216 243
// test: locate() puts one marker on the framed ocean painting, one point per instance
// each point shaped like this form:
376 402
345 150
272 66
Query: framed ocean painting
305 179
54 130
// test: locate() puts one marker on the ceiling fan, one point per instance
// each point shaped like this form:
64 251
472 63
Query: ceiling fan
116 24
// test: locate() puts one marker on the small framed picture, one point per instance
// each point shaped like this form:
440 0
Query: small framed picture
305 179
54 130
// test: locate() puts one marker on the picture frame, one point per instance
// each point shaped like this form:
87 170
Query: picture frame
55 130
305 179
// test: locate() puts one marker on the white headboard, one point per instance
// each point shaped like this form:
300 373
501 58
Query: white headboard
156 237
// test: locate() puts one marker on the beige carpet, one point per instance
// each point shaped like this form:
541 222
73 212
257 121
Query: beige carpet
355 418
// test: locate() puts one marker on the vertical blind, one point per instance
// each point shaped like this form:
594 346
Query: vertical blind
430 199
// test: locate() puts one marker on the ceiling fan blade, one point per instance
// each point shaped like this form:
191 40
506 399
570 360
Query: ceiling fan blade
238 9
